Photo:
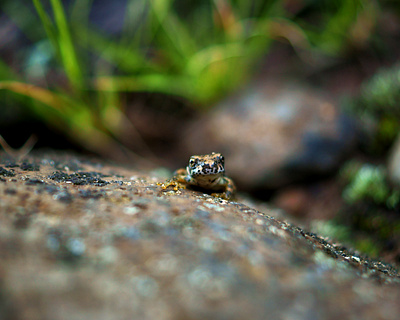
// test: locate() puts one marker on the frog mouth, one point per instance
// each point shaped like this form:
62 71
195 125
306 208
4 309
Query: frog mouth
207 170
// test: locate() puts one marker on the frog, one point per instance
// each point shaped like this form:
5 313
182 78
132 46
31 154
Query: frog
205 173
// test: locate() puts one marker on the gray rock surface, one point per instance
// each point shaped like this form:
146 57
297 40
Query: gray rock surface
81 239
274 134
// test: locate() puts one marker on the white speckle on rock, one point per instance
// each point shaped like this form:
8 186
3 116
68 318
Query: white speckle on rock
207 244
130 211
165 265
213 206
259 221
76 246
108 254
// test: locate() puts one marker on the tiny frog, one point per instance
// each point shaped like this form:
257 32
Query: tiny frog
204 172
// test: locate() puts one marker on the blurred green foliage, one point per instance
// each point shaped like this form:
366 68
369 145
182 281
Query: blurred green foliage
368 219
198 50
366 182
378 109
381 94
345 234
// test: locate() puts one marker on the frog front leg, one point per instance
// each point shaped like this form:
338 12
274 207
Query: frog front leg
178 181
230 190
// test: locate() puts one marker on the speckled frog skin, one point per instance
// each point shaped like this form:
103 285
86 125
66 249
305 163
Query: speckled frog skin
206 172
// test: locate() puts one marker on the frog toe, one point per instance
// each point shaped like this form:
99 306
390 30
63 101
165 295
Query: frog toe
222 195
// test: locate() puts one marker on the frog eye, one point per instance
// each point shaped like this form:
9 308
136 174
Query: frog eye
192 162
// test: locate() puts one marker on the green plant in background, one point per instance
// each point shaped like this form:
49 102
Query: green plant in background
380 97
91 117
368 219
199 52
366 182
378 109
381 93
341 25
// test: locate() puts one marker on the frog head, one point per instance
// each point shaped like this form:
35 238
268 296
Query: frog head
206 165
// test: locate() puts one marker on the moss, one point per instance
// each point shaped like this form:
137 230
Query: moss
368 219
368 182
377 108
369 246
381 94
333 230
369 233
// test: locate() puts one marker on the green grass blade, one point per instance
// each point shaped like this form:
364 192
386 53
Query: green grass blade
43 95
6 73
127 58
79 22
173 33
169 84
136 24
67 50
47 24
76 123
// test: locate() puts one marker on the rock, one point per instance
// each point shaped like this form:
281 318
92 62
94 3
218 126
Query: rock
394 163
137 252
274 134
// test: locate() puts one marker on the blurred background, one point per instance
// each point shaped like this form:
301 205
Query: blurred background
301 96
